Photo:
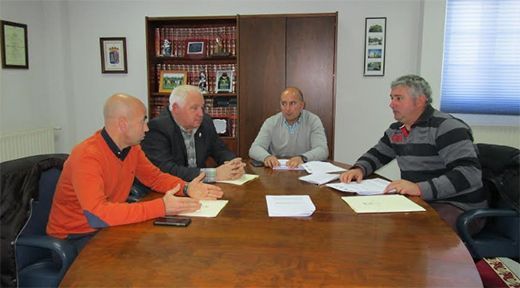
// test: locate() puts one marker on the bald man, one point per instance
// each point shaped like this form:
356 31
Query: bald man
97 176
294 133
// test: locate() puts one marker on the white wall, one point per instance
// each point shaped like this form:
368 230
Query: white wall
65 62
24 100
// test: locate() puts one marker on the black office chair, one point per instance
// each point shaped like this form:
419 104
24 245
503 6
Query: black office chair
500 237
28 186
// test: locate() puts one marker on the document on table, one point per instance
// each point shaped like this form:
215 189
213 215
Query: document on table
283 166
381 204
289 205
365 187
208 208
240 181
321 167
319 178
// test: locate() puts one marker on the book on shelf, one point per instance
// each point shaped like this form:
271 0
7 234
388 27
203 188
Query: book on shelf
218 40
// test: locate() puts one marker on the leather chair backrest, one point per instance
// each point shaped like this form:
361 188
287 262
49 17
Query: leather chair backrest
501 178
501 174
18 185
41 207
39 216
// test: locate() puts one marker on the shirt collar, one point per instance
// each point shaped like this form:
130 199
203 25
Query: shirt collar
426 115
120 154
298 121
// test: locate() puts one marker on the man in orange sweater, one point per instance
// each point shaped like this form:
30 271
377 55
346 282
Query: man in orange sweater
96 179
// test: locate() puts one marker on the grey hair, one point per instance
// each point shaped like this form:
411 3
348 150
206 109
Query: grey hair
179 94
417 85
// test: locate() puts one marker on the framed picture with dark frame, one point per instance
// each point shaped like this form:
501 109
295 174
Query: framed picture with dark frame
375 43
15 50
170 79
195 48
113 55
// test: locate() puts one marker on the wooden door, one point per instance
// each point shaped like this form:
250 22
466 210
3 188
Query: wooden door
311 43
261 73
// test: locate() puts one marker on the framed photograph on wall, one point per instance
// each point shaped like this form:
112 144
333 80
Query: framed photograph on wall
224 81
113 55
375 43
15 51
170 79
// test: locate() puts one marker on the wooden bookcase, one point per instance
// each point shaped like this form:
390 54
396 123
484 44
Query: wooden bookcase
275 51
200 51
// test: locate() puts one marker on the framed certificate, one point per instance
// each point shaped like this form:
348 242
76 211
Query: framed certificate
15 53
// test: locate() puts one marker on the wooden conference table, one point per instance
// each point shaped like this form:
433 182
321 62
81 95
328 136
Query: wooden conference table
242 246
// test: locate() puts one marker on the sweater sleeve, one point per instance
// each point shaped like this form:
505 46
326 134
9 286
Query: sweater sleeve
319 149
378 156
152 177
455 146
101 211
260 148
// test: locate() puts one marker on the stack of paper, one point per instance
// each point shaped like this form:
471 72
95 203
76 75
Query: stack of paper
319 178
382 203
283 166
321 167
365 187
240 181
208 208
289 205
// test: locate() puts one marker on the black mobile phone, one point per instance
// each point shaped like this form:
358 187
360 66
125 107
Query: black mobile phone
172 221
257 163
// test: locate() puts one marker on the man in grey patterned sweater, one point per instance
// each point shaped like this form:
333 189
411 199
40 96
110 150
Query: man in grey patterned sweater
434 151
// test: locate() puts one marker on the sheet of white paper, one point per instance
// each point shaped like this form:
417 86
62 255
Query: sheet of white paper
240 181
381 204
283 165
220 125
208 208
319 178
321 167
289 205
365 187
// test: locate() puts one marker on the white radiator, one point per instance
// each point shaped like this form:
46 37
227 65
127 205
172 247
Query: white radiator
26 143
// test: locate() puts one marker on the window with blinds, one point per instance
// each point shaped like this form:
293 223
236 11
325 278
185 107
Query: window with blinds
481 68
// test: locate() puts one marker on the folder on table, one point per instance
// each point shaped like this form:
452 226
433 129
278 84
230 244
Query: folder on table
208 208
382 204
240 181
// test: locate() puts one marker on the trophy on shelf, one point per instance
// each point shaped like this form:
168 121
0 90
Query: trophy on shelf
166 48
219 48
203 83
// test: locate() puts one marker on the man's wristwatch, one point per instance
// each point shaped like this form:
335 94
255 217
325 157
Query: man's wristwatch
304 159
185 190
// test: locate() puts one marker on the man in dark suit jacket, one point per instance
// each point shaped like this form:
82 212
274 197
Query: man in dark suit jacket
182 138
